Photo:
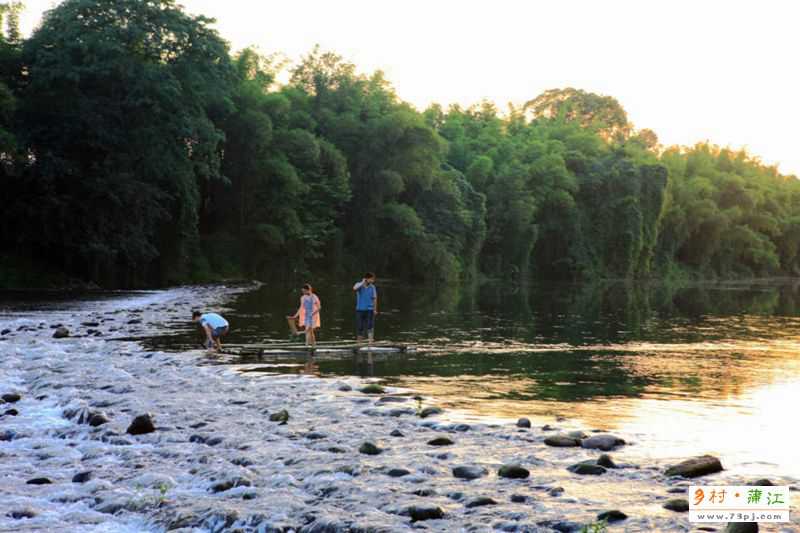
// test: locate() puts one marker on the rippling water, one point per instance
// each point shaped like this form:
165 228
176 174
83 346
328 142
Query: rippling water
705 368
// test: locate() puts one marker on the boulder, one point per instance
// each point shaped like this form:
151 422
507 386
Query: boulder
82 477
606 462
679 505
523 423
480 501
588 468
440 441
397 472
11 412
141 425
603 442
373 388
39 481
562 441
11 397
430 411
612 516
513 471
425 512
369 448
469 472
98 419
61 333
696 467
741 527
281 416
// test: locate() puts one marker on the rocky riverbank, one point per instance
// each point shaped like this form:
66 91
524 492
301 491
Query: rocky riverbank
106 436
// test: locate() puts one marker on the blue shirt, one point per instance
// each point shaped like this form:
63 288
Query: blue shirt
213 320
365 298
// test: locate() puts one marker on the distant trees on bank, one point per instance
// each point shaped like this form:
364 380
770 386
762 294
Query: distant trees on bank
136 149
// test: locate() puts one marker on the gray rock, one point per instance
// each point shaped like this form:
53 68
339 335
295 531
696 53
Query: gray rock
587 469
397 472
480 501
316 436
369 448
228 484
556 491
11 397
603 442
213 441
519 498
425 512
396 433
281 416
606 462
469 472
577 434
61 333
344 387
19 514
141 424
742 527
676 490
82 477
523 423
679 505
11 412
39 481
562 441
440 441
98 419
696 467
513 471
200 439
430 411
612 516
372 388
393 399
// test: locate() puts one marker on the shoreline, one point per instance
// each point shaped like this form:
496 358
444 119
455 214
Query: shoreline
216 462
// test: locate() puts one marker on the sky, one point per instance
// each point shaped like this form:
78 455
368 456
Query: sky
723 71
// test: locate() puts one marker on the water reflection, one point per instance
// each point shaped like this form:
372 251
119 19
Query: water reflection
689 368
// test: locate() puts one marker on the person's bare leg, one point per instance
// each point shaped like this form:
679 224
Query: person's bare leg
313 337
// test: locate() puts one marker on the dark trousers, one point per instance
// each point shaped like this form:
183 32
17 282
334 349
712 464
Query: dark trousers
365 322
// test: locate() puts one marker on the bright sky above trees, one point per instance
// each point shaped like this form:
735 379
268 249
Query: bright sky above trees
718 70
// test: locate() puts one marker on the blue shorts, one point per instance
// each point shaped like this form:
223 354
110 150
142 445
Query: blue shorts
219 332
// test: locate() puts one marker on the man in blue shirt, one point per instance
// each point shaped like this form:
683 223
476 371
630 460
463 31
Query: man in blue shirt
214 325
366 306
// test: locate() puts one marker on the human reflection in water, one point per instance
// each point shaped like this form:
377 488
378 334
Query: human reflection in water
310 367
364 364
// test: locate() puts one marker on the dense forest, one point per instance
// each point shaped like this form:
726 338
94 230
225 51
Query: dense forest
136 149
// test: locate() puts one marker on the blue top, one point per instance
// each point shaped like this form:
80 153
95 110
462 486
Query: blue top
365 298
308 305
213 320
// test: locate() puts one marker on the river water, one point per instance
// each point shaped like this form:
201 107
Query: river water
708 368
677 372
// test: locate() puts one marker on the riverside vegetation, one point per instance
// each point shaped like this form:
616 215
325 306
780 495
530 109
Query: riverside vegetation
137 149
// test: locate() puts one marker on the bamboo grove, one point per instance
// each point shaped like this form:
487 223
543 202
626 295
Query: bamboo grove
136 150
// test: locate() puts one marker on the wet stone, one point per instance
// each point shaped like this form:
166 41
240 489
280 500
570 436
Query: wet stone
141 425
98 419
228 484
61 333
11 397
369 448
523 423
440 441
396 433
696 467
425 512
213 441
316 436
606 462
469 472
197 439
480 502
761 483
281 416
430 411
19 514
556 491
11 412
82 477
679 505
602 442
741 527
676 490
562 441
372 388
563 526
38 481
587 469
513 471
424 493
519 498
613 515
397 472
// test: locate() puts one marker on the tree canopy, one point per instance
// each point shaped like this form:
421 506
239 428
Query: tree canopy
136 149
